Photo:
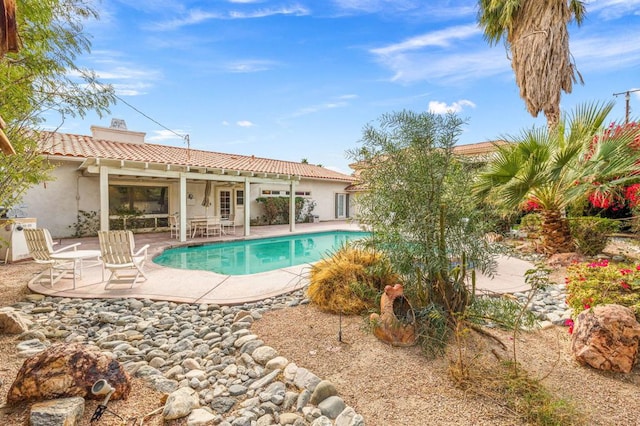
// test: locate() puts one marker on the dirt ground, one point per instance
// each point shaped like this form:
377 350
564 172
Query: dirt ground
389 386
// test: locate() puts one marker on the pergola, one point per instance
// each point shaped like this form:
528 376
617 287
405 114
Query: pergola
108 169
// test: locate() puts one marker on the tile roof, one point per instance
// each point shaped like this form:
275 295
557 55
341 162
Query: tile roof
480 148
82 147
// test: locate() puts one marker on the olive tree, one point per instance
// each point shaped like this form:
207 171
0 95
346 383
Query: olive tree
418 205
42 77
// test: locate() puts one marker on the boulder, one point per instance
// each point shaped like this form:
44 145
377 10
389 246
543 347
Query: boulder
12 323
68 370
606 338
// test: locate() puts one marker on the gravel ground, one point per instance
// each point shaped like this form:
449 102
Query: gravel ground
388 386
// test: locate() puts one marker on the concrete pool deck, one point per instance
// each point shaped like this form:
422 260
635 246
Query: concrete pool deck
190 286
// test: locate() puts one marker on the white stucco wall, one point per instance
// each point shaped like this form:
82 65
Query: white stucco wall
322 192
56 204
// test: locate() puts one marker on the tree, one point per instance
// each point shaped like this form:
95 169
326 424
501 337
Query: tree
555 168
535 32
418 207
42 77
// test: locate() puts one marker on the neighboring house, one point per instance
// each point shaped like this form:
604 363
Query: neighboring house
115 171
477 154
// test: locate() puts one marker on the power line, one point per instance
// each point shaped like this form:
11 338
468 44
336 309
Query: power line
627 99
184 137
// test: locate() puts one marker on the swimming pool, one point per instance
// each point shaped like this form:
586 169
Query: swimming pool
259 255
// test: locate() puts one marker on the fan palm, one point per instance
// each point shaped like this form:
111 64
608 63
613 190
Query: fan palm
536 34
560 166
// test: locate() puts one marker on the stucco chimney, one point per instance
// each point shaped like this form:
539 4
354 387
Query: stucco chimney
117 132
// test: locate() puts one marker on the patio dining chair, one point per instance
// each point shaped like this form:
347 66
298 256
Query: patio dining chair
174 226
40 246
213 227
229 225
118 256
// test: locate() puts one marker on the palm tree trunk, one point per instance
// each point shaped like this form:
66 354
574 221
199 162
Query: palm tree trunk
556 235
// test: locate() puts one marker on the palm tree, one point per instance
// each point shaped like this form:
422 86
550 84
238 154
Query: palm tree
561 166
536 34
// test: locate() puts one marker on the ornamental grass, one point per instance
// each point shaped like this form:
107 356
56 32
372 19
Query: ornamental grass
350 281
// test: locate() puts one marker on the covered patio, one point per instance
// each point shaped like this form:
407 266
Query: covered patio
188 192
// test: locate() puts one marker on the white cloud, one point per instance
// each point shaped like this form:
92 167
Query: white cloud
167 135
197 16
252 65
436 107
225 123
449 55
613 9
440 38
604 53
411 9
245 123
319 107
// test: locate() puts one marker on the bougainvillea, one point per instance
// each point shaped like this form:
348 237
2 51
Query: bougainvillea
628 196
531 205
602 282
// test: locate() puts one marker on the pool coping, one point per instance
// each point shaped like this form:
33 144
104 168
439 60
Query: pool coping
194 286
184 286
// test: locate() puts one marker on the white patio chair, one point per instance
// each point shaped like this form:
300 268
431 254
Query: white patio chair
118 256
40 246
213 227
174 226
229 225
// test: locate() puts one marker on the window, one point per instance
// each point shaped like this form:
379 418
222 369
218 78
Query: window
342 206
240 197
303 193
274 193
225 203
125 199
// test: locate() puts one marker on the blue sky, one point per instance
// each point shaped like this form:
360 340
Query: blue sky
291 79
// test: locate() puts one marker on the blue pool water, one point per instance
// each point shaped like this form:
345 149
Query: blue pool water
259 255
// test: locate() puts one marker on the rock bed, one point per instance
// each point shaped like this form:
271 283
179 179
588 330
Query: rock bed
210 350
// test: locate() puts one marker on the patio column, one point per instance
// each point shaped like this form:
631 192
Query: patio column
182 211
104 198
247 207
292 206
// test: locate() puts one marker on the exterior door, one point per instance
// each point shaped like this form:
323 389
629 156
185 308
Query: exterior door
341 206
225 203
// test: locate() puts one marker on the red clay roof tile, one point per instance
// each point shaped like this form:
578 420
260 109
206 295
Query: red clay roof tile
81 146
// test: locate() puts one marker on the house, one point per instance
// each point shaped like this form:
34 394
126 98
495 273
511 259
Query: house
116 176
476 154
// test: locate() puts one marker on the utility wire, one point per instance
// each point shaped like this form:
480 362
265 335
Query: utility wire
184 137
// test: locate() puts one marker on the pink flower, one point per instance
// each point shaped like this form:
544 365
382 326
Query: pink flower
569 323
625 271
625 285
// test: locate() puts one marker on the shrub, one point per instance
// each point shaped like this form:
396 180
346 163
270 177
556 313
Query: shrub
87 225
590 234
531 223
601 283
350 281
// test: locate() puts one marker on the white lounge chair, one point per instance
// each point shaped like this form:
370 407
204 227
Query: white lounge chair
40 246
118 256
